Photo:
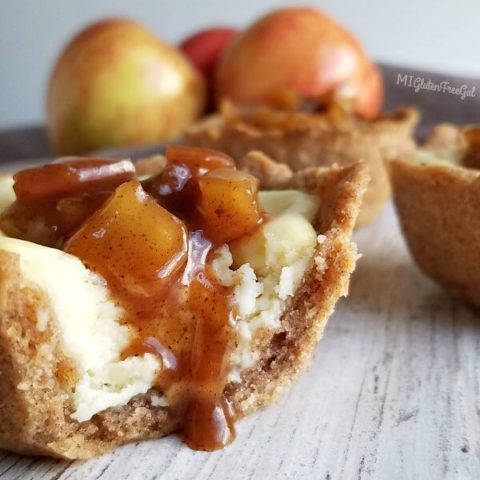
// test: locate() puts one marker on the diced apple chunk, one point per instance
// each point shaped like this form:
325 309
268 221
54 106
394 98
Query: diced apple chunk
72 176
134 243
199 160
228 204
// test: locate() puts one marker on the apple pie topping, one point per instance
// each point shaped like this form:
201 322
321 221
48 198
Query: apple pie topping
293 113
153 242
55 199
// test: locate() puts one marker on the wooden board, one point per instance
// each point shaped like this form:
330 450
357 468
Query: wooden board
393 393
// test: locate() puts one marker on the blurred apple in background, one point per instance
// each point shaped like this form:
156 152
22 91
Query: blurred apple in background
116 84
302 51
206 47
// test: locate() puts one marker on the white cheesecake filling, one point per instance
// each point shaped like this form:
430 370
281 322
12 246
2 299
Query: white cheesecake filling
264 270
89 323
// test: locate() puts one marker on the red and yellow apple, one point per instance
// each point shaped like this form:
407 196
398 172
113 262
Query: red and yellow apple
302 51
116 84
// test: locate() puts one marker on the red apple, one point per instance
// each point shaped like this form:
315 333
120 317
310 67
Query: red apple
116 84
302 51
206 47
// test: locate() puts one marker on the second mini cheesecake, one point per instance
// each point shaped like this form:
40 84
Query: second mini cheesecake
437 197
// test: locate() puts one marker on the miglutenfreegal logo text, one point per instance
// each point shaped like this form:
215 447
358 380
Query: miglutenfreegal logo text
420 83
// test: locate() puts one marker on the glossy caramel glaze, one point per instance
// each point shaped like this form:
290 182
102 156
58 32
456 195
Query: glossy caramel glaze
72 176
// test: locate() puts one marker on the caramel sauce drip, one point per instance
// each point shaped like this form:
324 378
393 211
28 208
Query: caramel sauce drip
153 244
187 324
209 421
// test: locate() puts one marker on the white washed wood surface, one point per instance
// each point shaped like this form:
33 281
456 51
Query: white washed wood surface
393 393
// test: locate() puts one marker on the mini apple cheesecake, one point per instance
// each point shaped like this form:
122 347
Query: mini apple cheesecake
437 197
134 307
313 135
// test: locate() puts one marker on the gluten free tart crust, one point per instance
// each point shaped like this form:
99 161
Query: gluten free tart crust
302 140
437 197
39 373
